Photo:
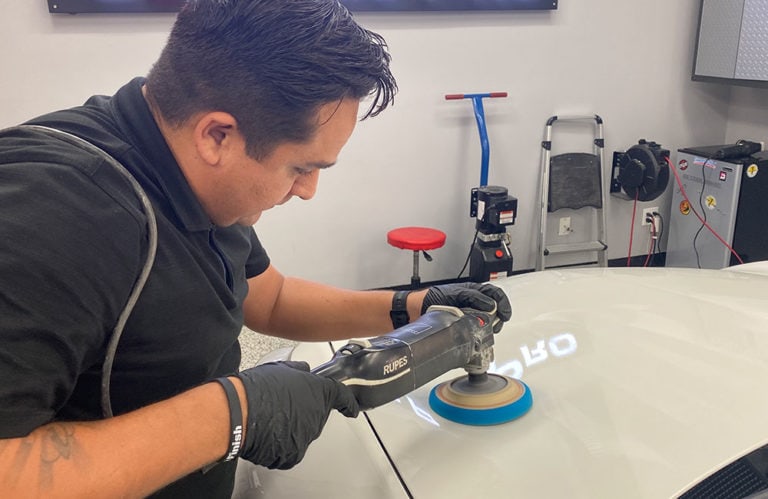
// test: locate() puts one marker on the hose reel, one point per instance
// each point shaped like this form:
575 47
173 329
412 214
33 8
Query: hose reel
641 172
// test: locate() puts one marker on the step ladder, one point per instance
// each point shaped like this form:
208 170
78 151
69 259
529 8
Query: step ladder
574 181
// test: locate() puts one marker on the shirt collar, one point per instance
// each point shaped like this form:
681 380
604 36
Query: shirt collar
136 120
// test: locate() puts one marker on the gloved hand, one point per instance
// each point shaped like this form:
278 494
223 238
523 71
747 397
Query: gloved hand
287 409
484 297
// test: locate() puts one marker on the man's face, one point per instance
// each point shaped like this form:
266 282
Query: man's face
292 169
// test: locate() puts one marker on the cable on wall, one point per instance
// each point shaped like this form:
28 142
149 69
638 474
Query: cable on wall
632 229
652 239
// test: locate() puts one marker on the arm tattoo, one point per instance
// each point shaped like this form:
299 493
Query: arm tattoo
57 444
53 443
58 440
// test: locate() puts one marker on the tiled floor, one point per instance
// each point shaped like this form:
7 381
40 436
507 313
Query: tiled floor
255 346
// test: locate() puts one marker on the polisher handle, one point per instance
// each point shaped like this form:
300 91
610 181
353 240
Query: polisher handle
386 367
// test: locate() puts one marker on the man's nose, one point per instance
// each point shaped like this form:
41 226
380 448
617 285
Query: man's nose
306 185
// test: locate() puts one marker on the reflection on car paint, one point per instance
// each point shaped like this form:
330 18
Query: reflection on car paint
421 412
560 345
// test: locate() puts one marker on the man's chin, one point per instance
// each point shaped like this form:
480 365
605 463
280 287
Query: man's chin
251 220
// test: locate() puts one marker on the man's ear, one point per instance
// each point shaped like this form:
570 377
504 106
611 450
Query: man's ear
214 134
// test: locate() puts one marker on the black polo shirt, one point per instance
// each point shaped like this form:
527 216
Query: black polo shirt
74 240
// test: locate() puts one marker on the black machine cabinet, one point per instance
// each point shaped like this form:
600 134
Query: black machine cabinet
750 237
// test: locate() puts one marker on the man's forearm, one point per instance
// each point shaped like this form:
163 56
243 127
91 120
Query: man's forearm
131 455
308 311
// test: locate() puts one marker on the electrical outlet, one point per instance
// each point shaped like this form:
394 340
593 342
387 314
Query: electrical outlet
649 212
565 226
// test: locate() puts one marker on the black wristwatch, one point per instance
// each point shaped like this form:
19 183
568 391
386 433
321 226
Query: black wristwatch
399 312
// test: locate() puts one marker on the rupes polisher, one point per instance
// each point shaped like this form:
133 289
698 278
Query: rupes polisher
381 369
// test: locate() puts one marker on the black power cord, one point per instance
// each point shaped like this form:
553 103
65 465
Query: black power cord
659 234
703 209
469 255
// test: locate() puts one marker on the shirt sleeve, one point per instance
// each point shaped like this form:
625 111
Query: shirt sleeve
67 264
258 260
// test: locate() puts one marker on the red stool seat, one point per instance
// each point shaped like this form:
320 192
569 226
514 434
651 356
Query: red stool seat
416 238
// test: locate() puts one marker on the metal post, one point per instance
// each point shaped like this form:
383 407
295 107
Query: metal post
415 279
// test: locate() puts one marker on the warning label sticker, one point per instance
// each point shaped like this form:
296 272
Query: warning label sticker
710 202
752 170
685 207
507 217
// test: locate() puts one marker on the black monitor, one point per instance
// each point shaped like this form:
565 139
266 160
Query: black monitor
96 6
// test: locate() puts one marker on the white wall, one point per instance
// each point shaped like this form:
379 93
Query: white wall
415 164
748 115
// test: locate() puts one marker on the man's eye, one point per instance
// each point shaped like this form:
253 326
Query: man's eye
304 171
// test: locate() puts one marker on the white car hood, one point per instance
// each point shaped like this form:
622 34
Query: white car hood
644 381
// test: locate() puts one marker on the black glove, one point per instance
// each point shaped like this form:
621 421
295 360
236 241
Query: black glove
484 297
287 409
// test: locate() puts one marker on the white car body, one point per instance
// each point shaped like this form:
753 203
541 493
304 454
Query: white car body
644 382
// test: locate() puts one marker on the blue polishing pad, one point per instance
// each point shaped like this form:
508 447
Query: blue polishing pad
458 401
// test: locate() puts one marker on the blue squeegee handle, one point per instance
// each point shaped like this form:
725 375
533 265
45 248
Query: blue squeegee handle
387 367
477 105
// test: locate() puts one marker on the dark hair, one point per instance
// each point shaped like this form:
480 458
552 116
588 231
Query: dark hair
269 63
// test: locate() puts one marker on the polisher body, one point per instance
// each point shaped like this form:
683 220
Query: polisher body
386 367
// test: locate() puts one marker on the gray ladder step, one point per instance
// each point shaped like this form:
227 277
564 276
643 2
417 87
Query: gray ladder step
575 247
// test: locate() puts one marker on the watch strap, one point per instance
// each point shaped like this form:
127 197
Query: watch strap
399 312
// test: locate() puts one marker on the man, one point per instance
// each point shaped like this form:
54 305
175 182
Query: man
248 102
